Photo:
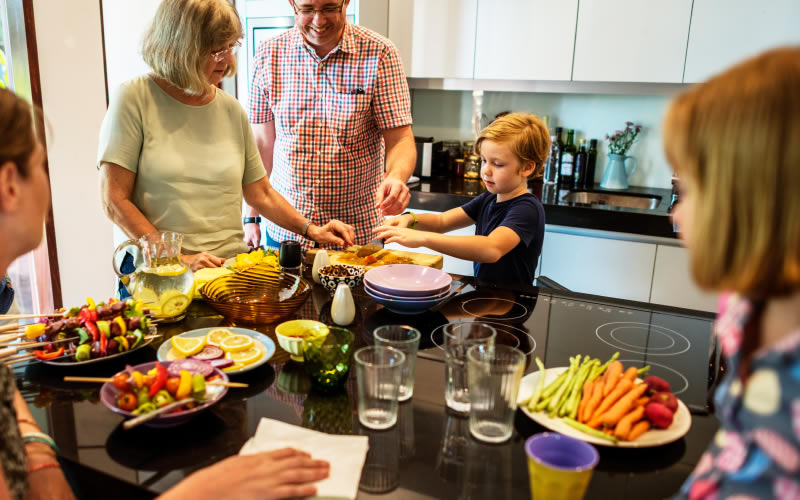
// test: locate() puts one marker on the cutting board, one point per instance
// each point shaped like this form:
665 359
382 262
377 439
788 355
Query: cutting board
384 257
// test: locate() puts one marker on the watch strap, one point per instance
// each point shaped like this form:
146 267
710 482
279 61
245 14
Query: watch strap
251 220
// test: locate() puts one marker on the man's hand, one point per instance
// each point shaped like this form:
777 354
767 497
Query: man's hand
392 196
334 232
407 237
252 234
201 260
284 473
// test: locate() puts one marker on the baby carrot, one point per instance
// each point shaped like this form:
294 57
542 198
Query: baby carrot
594 400
587 393
640 428
625 424
622 387
631 373
612 377
623 405
642 401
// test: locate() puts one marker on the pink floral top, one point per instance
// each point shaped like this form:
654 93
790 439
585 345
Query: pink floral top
756 452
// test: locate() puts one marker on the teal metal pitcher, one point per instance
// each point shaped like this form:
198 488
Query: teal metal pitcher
616 173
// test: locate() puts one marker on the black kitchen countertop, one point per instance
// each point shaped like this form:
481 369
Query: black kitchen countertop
429 452
441 194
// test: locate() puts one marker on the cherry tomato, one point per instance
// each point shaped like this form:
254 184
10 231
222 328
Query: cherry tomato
172 385
127 401
121 380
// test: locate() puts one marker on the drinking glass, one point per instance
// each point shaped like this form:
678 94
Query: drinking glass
328 358
378 371
381 472
290 257
405 339
493 377
560 467
458 337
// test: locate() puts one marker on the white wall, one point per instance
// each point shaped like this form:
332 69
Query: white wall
74 100
446 114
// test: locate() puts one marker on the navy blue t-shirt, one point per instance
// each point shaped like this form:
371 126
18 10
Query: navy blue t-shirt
525 216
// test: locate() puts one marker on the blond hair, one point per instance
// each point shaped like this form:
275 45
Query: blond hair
17 131
524 134
183 34
736 140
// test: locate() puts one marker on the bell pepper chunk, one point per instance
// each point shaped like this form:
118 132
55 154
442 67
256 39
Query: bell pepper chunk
123 326
161 380
48 355
35 330
185 385
95 333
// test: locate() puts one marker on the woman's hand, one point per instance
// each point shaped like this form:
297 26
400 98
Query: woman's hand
252 234
284 473
411 238
399 221
334 232
201 260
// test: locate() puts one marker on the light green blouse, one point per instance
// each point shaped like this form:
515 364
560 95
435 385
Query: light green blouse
191 162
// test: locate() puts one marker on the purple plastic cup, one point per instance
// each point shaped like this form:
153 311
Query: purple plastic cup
560 467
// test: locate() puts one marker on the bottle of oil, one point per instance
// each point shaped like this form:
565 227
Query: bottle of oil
566 168
581 160
591 160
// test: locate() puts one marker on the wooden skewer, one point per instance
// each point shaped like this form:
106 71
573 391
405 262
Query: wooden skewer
109 379
129 424
9 327
8 317
11 337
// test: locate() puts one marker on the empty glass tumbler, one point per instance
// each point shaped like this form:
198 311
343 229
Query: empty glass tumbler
458 338
493 377
378 372
405 339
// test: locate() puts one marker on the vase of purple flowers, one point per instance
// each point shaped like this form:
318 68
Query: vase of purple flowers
617 171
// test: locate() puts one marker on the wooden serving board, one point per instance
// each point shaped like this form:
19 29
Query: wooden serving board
384 257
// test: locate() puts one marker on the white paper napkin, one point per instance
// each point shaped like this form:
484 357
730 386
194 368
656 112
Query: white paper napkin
346 454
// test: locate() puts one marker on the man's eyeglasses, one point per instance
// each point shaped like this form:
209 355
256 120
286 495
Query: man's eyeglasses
220 55
309 12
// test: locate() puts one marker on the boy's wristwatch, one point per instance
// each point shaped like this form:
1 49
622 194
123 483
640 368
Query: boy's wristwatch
251 220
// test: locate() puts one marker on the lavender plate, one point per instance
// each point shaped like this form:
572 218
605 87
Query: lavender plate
109 395
378 293
404 306
408 280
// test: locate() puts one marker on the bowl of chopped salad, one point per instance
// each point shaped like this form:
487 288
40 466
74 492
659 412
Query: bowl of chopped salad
146 387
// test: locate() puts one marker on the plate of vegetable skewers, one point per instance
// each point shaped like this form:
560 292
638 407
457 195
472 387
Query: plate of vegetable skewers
88 334
604 404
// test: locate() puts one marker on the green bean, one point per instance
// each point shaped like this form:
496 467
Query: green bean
589 430
643 370
554 385
556 401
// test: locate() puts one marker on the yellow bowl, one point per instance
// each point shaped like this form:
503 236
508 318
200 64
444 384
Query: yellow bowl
259 295
292 335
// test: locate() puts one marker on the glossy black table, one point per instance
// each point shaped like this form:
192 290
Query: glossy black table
428 454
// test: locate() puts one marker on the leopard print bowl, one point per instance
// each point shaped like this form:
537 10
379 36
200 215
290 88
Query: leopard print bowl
330 276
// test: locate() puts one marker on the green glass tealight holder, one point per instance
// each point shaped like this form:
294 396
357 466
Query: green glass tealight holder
327 359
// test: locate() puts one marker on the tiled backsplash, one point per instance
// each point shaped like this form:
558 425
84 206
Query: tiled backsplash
446 114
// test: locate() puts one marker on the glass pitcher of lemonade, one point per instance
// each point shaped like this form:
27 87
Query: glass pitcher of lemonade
163 284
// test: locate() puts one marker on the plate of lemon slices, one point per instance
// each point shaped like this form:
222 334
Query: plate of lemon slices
245 349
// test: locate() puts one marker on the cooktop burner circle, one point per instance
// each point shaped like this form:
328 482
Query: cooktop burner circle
437 335
606 333
517 310
671 371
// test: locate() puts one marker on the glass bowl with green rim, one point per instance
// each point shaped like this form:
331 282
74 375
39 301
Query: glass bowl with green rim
328 358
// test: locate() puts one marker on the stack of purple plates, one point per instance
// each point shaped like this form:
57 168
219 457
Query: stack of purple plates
407 288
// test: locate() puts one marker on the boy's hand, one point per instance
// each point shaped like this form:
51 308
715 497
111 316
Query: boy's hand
407 237
399 221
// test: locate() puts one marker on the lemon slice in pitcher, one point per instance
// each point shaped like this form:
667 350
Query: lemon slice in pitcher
188 346
236 343
215 336
173 303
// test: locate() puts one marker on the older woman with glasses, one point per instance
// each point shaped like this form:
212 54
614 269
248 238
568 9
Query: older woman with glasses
177 153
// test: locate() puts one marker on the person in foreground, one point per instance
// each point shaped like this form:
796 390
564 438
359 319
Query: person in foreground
734 142
177 154
28 464
509 221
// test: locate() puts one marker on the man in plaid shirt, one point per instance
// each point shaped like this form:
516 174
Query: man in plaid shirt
327 100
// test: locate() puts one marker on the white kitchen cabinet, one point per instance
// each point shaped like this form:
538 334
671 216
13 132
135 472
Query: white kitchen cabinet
672 281
525 39
600 266
450 264
632 40
724 32
436 39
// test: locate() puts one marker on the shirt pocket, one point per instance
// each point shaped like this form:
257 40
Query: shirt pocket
350 117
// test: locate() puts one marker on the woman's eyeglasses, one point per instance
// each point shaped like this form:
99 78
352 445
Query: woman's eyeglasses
309 12
220 55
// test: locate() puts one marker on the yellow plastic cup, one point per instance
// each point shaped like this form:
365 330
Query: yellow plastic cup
559 467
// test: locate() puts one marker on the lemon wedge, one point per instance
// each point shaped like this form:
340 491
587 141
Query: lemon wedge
215 336
245 357
188 346
236 343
